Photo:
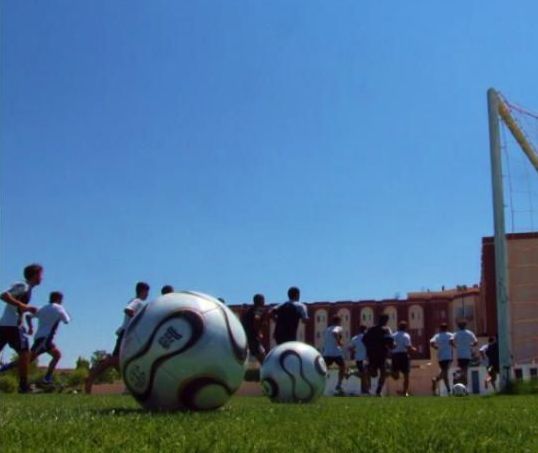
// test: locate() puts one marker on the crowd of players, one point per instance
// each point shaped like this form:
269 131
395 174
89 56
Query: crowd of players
371 347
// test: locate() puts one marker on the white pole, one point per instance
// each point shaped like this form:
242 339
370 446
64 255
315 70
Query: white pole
501 268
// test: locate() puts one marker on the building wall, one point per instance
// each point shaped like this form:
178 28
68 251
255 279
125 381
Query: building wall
522 250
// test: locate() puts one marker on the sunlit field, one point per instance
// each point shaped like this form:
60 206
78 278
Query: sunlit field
417 424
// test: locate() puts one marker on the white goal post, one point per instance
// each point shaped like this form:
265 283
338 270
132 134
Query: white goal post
499 110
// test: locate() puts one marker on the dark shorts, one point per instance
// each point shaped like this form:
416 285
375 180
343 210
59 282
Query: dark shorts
376 363
116 351
43 344
329 360
444 364
285 338
255 346
401 363
493 369
14 337
464 363
360 365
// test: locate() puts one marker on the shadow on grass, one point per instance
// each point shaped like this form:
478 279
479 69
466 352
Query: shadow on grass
129 411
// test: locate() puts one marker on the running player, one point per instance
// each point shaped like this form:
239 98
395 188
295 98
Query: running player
378 341
359 352
464 340
17 298
287 317
132 308
401 362
333 351
253 320
49 318
442 342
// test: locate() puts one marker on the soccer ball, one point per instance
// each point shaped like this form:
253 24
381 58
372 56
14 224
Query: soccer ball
293 372
459 390
183 351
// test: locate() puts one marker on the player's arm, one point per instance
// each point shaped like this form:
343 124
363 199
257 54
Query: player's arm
338 337
29 325
10 300
475 341
303 312
65 317
410 347
433 343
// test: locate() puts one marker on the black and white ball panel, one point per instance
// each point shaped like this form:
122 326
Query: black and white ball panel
186 350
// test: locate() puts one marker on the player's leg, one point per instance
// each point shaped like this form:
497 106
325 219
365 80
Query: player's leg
56 355
341 372
109 361
19 343
363 377
406 370
100 367
444 375
381 366
464 366
492 373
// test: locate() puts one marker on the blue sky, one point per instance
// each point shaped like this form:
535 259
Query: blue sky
240 147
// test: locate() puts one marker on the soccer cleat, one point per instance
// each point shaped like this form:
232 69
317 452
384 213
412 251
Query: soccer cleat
47 380
27 389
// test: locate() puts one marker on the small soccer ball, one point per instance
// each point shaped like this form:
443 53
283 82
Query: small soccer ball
183 351
459 390
293 372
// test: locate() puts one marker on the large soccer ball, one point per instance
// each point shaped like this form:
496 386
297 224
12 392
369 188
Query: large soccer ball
459 390
293 372
185 351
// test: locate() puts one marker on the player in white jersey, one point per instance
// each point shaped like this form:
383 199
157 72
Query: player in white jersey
464 341
359 352
17 298
442 342
333 351
113 360
49 318
400 355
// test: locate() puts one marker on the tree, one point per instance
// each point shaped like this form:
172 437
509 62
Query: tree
109 375
82 364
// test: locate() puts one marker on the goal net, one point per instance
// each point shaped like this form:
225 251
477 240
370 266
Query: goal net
514 158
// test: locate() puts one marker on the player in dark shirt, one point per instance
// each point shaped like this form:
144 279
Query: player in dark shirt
378 342
287 317
253 320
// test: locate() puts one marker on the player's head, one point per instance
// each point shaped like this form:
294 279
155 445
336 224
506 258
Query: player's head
336 320
221 300
402 325
167 289
383 320
462 324
294 293
56 297
362 328
142 290
258 300
443 327
33 274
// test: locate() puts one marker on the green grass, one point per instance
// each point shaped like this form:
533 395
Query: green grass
115 423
